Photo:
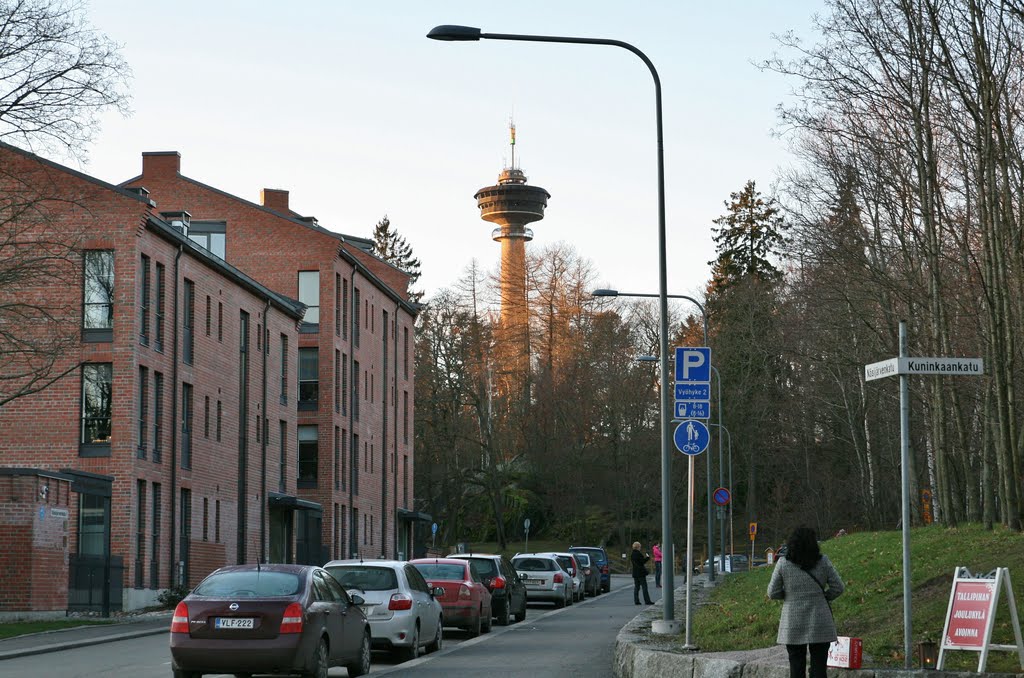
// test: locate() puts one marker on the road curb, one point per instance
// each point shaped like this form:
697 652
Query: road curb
74 644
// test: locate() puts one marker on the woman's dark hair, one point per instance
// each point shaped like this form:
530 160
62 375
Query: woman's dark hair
802 548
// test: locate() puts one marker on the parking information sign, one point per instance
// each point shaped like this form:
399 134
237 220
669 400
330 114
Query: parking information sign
693 383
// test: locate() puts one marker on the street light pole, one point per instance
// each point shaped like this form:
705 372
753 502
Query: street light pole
721 469
469 33
732 548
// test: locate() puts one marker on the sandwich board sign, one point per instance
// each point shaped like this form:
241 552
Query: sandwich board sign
970 616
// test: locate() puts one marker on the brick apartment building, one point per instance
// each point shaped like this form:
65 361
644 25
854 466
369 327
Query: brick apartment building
193 426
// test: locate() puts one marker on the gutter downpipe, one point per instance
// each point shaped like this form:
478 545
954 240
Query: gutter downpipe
174 422
263 444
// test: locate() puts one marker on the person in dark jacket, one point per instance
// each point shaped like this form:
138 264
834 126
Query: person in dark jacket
639 561
805 580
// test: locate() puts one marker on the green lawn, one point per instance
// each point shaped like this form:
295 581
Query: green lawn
740 617
11 629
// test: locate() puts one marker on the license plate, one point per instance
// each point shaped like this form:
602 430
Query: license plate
234 623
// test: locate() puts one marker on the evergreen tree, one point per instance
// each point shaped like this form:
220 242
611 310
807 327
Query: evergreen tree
749 236
392 248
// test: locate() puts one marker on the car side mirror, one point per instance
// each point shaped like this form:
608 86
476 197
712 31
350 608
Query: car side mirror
357 599
437 591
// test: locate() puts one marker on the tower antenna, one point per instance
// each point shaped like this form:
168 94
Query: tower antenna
512 135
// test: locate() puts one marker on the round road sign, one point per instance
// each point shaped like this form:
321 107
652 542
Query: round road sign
691 437
721 496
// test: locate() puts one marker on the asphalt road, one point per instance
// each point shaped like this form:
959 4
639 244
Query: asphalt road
576 640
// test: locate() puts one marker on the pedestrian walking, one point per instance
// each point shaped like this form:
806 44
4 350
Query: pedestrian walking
639 561
656 554
807 583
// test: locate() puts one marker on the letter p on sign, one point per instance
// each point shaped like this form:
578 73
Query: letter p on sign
693 364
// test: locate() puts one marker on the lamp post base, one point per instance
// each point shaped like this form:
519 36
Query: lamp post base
667 627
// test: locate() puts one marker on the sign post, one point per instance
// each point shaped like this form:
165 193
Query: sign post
970 615
904 366
433 534
753 535
526 529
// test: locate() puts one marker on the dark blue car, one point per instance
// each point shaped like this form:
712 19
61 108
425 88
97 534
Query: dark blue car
599 559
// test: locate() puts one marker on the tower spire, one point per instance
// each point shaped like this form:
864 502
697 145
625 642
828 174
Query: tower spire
512 135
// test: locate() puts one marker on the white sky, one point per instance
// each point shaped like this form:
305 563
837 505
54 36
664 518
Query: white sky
349 107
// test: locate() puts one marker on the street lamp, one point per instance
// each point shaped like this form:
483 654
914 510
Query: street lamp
467 33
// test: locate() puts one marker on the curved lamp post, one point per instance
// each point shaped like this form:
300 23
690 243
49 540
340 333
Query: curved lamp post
468 33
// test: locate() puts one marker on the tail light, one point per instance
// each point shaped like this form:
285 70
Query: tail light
291 621
557 578
604 569
464 591
498 583
400 601
179 622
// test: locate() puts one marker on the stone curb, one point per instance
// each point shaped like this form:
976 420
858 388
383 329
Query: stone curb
73 644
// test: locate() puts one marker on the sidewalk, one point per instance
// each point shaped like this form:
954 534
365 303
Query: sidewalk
82 636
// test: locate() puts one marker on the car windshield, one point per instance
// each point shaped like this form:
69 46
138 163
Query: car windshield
364 577
584 559
596 554
441 571
484 568
534 564
249 583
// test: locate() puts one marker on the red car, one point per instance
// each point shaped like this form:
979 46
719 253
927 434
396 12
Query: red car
466 602
246 619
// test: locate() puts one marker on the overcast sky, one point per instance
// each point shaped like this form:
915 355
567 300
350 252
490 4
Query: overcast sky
349 107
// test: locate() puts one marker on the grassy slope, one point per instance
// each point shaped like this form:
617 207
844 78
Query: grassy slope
739 616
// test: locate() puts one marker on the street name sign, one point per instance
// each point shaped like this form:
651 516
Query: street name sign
951 366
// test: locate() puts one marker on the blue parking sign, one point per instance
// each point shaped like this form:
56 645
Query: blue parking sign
693 364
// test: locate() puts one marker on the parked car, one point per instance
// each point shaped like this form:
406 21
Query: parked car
403 612
598 559
508 592
572 567
544 578
269 619
466 602
591 576
733 563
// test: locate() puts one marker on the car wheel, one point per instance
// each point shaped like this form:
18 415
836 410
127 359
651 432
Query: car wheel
474 629
413 651
361 666
560 602
319 667
521 614
503 614
486 623
437 643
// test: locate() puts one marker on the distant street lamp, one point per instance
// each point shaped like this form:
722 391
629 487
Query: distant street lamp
668 624
732 499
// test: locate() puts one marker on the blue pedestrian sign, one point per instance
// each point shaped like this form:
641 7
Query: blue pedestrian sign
693 364
692 437
433 529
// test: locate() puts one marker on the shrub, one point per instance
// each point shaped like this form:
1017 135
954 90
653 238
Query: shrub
170 597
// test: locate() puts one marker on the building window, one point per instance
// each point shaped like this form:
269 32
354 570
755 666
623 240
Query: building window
185 533
282 472
206 417
220 418
308 456
309 378
216 521
258 427
189 321
158 415
206 519
186 425
405 417
140 533
92 525
97 384
354 463
98 312
210 235
337 304
344 384
344 308
355 318
158 343
337 381
154 542
405 351
354 534
355 390
337 458
309 294
143 410
344 457
209 312
220 321
259 337
284 369
405 480
144 293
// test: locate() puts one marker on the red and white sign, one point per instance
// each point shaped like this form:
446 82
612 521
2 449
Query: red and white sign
969 612
846 653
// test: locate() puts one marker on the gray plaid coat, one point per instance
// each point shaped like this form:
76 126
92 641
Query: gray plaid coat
806 617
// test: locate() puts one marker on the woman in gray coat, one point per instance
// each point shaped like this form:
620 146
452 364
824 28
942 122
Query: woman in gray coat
806 582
